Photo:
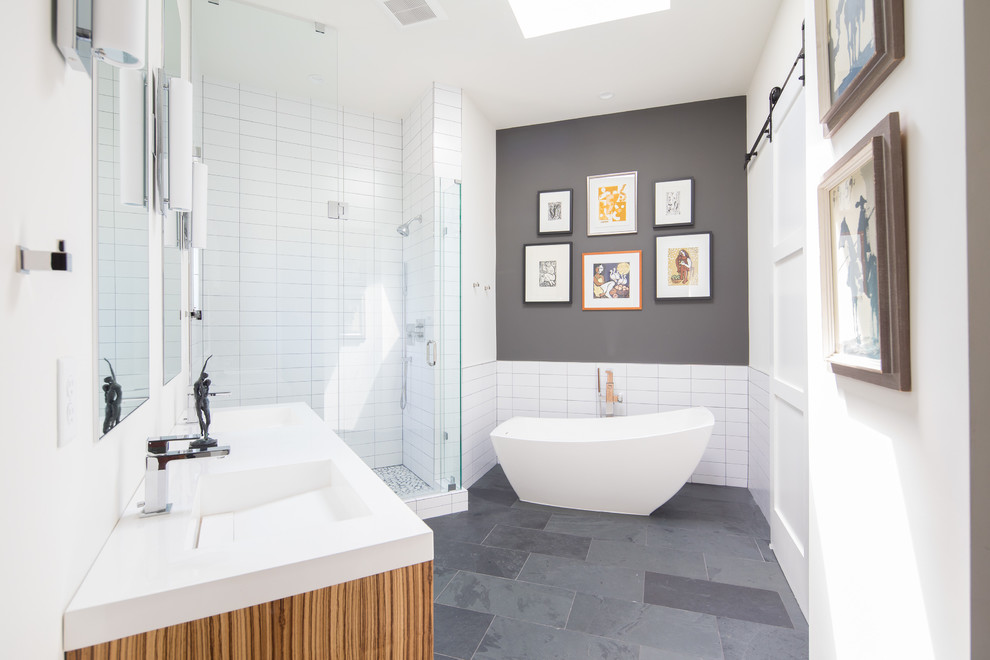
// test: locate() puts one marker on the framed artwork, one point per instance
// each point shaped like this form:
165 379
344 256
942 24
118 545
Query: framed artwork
612 204
864 261
554 211
612 280
547 273
673 203
859 44
684 266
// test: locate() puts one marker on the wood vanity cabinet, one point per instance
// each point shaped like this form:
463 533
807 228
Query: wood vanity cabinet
387 616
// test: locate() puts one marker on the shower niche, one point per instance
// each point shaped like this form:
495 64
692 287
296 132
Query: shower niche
332 232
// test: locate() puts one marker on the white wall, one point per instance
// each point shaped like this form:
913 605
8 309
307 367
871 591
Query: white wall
889 471
58 505
477 236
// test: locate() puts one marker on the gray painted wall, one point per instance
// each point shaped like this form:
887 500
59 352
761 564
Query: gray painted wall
704 140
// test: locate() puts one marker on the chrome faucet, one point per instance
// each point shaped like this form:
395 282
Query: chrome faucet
156 462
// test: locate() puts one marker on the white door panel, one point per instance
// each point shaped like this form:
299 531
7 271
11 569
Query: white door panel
788 369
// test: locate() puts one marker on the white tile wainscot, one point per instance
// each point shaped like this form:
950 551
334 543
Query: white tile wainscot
569 389
440 504
759 439
478 418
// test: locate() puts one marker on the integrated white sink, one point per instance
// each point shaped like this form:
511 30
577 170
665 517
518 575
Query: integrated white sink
290 510
255 418
284 502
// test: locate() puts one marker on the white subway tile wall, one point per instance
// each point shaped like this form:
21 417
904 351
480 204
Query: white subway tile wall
300 306
479 416
570 389
759 439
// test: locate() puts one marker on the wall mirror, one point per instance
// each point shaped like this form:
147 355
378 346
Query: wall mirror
171 255
120 154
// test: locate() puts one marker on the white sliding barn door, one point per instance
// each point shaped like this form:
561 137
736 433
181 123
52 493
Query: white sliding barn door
789 342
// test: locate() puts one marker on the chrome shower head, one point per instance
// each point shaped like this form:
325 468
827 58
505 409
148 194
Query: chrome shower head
403 229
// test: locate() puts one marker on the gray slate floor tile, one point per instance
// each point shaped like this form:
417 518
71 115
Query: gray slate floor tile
694 537
728 600
744 640
534 603
531 540
714 542
457 632
745 572
690 633
474 526
509 639
441 576
612 529
749 522
598 579
718 493
768 554
555 510
644 558
758 574
500 562
649 653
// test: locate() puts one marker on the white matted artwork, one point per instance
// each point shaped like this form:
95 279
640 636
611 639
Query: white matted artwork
555 211
612 204
684 266
547 273
674 203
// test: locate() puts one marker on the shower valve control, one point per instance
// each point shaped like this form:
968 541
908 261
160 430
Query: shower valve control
416 331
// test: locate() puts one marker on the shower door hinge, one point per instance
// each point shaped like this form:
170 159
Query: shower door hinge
196 314
336 210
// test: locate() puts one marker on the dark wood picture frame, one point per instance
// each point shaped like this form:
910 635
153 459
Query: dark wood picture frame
690 201
708 270
569 214
882 148
888 19
564 287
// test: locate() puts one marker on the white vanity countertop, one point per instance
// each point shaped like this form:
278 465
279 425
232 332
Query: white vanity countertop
150 574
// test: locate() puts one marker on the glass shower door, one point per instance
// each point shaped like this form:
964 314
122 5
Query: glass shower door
448 385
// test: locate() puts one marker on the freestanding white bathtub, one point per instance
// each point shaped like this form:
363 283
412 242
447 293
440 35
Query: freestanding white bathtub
615 464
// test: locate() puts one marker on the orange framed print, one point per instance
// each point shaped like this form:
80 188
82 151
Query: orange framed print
612 280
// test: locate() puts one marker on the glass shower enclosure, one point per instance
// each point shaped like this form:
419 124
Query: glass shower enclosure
331 274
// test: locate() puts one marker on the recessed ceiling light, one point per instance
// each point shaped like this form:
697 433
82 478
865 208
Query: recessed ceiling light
539 17
605 96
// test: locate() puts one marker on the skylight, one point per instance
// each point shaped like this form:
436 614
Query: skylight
539 17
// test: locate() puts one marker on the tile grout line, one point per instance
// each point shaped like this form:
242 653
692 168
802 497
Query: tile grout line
453 577
481 641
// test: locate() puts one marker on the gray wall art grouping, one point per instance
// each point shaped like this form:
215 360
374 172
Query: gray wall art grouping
623 237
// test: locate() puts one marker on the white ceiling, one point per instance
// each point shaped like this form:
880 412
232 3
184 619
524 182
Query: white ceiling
699 49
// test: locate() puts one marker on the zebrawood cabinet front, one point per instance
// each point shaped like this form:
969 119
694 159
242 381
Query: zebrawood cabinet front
388 616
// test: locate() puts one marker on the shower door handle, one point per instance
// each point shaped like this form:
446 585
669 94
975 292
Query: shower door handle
432 362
